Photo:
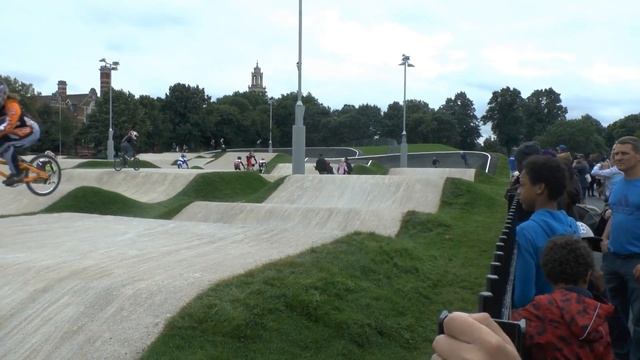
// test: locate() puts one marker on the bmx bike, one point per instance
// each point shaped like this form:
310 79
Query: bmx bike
124 161
42 174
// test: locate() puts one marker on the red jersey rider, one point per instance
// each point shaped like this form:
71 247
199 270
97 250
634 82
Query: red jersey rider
16 131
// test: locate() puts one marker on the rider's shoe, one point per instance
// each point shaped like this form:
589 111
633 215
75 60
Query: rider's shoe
14 179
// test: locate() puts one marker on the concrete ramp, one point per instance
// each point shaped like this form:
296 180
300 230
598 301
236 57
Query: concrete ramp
394 193
466 174
146 185
345 204
286 169
342 220
78 286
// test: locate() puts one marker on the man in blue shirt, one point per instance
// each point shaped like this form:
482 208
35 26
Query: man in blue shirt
621 245
542 182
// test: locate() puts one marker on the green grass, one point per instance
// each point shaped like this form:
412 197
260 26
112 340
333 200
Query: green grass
363 296
214 186
278 159
380 150
108 164
375 168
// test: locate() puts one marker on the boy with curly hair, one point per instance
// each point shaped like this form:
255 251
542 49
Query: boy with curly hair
567 323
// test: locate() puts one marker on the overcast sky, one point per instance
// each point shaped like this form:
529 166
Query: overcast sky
586 50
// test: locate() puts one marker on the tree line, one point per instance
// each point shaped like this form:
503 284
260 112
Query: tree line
186 115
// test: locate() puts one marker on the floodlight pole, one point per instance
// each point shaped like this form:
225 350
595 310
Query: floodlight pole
403 144
298 133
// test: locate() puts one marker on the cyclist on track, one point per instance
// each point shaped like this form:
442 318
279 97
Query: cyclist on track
127 146
16 131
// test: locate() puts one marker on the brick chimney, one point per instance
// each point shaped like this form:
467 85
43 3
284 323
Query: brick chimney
62 89
105 80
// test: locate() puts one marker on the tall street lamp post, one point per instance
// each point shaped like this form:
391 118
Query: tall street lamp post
403 144
111 67
298 134
270 123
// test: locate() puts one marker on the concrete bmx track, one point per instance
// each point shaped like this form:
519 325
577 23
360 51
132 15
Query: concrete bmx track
81 286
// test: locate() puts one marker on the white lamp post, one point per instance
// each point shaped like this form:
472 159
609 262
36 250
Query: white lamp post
111 67
270 123
403 144
298 133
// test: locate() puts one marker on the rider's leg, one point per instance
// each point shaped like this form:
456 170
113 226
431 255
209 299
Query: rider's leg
9 153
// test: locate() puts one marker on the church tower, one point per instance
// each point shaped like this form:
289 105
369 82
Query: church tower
256 81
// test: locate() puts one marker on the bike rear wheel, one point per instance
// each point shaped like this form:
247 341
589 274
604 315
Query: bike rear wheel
119 163
47 179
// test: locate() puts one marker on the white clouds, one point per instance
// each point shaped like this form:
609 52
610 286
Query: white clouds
605 74
527 61
351 49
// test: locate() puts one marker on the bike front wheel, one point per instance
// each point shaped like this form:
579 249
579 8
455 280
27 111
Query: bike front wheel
135 163
43 175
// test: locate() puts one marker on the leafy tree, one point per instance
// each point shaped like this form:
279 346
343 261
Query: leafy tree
491 144
504 112
542 109
580 136
158 135
184 107
420 122
463 113
445 130
390 125
627 126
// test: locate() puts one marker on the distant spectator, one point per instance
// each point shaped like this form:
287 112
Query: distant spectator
174 146
435 162
581 168
608 174
349 166
238 164
511 161
560 149
463 156
329 168
542 183
568 323
342 167
223 148
185 148
213 144
621 241
321 165
522 153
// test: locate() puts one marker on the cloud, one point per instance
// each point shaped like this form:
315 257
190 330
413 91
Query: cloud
350 48
526 62
605 74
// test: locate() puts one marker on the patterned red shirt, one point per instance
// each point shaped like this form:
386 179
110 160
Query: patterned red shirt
566 325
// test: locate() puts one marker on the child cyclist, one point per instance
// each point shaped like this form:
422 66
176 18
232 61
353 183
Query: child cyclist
127 146
16 131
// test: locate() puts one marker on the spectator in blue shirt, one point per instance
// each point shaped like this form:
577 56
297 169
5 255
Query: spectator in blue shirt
542 182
